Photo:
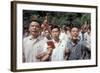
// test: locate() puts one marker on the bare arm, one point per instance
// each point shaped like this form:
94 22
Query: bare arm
66 53
47 55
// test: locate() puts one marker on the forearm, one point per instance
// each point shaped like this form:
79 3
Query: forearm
46 57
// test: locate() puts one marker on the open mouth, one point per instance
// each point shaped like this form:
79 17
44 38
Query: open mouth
34 31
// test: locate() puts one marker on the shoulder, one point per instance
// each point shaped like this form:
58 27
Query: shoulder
26 38
80 42
42 38
69 41
85 34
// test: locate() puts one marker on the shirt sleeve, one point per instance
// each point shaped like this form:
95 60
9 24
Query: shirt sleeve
45 47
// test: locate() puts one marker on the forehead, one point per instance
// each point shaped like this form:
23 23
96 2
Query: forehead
55 29
74 29
34 23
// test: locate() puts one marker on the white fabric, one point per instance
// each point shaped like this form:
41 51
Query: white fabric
87 38
64 37
58 51
32 47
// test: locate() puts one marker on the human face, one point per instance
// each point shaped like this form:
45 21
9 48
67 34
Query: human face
74 33
47 32
84 28
88 31
55 33
34 29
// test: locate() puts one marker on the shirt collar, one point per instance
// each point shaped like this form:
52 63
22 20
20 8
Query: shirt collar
73 42
38 38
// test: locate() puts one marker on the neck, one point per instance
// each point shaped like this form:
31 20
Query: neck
34 37
89 33
74 41
56 39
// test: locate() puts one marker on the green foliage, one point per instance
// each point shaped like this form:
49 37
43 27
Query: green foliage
58 18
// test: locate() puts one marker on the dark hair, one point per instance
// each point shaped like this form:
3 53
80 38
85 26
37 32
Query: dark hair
34 21
55 26
74 27
89 27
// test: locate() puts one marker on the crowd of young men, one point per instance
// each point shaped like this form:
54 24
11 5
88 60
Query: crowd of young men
53 43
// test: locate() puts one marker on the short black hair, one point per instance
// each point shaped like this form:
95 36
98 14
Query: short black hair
55 26
35 21
74 26
89 27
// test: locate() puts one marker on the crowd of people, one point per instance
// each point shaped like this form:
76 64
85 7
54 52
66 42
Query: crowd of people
50 42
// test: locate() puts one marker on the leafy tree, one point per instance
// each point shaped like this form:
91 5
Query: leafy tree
57 18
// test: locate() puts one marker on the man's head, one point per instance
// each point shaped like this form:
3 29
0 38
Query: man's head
55 32
47 32
34 28
74 32
89 29
84 28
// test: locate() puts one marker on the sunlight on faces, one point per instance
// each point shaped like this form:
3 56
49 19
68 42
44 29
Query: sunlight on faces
34 28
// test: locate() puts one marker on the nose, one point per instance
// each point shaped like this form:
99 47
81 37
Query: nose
76 33
34 27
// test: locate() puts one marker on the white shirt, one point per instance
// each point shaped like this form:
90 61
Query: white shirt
87 38
32 47
63 37
59 51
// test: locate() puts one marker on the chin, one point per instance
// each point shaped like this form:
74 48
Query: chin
74 38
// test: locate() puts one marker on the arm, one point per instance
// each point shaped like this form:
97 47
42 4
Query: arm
67 51
39 56
47 55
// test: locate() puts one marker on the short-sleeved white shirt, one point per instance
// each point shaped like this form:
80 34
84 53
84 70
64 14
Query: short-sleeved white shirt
32 47
59 51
